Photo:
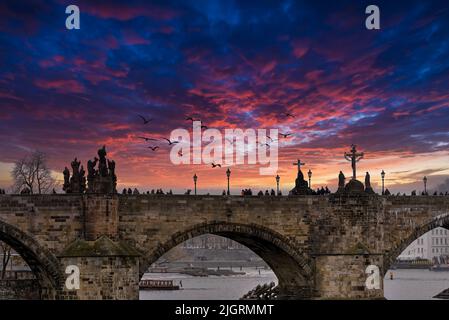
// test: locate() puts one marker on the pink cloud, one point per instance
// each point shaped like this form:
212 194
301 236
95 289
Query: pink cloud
55 60
125 12
133 38
300 48
61 85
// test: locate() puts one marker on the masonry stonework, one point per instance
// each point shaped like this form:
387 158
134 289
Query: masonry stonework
104 278
100 216
318 246
19 289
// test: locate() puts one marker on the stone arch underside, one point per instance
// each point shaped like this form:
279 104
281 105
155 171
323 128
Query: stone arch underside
43 263
290 265
440 221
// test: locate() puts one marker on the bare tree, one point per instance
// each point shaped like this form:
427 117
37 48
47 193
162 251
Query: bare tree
33 173
6 256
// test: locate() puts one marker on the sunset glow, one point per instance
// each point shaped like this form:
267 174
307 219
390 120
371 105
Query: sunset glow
232 65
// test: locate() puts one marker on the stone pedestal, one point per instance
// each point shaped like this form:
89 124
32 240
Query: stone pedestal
301 186
103 185
354 186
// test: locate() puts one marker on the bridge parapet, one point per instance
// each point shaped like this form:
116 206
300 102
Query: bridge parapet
54 220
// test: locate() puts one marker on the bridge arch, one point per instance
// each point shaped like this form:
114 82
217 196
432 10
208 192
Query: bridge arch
290 264
43 263
441 221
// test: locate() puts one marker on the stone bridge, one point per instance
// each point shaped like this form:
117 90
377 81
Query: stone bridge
318 246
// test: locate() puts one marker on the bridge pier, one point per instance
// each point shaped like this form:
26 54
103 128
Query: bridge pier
104 278
109 268
100 216
342 276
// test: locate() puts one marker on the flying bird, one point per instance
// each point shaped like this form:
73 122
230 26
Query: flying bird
269 138
171 142
285 135
147 139
153 148
216 165
289 115
145 121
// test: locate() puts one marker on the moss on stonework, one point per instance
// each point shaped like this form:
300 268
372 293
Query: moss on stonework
359 248
102 247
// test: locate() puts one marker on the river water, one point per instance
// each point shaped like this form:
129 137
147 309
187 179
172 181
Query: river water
415 284
208 288
407 284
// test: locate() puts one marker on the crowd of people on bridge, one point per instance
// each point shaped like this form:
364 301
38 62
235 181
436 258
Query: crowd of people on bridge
272 192
322 191
249 192
129 191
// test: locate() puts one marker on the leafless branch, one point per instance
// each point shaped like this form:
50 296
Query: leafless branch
6 256
33 173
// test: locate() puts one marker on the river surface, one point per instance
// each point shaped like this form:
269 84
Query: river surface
415 284
208 288
407 284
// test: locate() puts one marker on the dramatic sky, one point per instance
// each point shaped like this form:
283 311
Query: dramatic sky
233 64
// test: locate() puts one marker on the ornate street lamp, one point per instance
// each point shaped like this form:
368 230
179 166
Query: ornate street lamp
383 181
277 183
228 174
195 178
425 185
310 178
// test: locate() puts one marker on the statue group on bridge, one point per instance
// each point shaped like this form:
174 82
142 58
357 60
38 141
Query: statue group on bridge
353 186
101 180
77 182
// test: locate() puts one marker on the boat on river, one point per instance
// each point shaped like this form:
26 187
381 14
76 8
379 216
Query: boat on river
440 263
440 267
157 285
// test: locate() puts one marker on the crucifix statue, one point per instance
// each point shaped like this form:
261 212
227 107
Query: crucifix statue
301 185
299 164
353 157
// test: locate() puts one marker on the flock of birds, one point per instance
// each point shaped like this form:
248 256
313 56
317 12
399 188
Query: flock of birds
170 142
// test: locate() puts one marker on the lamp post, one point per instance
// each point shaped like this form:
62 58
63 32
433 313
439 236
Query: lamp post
383 181
425 185
310 178
277 183
228 174
195 178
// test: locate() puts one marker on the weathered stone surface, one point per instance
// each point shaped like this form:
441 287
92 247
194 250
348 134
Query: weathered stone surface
318 246
104 278
100 216
102 247
22 289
